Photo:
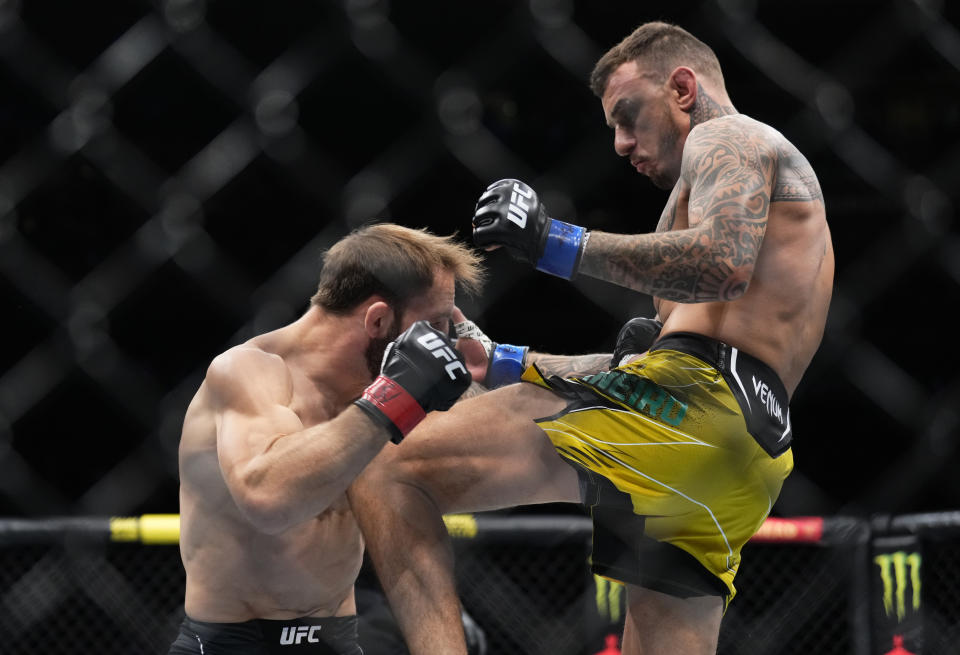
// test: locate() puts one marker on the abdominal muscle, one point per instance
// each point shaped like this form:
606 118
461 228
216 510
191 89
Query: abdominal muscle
718 321
235 573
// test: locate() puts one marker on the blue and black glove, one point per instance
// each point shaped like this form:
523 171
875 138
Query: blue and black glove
510 214
505 362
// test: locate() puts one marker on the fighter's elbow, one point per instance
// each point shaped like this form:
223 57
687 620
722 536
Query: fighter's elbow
721 284
263 514
264 507
736 286
733 282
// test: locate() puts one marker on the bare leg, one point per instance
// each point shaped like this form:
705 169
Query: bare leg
409 546
485 453
659 624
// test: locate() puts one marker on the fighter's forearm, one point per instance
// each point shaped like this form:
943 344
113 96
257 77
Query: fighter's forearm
569 365
684 265
299 475
704 248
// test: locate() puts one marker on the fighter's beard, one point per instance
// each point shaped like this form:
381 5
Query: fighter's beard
375 350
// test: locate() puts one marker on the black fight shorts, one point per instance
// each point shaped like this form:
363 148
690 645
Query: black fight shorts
314 636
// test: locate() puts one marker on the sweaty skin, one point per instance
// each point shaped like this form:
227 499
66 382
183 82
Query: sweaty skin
738 185
270 443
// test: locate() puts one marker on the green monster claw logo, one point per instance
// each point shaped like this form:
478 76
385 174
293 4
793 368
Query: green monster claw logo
609 594
893 573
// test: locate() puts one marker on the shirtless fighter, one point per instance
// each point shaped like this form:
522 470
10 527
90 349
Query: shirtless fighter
679 451
283 423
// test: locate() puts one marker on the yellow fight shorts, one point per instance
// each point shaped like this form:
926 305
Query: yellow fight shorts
681 455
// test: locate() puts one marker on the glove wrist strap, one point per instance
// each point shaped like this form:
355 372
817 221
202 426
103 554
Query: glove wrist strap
392 406
507 364
467 329
561 253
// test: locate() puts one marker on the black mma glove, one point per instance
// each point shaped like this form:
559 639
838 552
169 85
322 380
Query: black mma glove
510 214
421 372
636 336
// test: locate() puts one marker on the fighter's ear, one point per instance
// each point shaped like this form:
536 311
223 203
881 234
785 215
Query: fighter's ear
378 320
683 85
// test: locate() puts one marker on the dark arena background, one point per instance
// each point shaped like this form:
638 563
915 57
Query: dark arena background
171 173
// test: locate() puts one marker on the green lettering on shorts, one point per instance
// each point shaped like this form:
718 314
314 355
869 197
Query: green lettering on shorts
639 394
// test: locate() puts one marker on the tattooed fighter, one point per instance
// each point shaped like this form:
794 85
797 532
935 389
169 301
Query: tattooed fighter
681 448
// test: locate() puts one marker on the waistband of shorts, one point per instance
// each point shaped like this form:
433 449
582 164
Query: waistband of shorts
718 354
262 627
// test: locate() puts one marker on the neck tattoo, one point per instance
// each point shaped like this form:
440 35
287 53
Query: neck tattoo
706 108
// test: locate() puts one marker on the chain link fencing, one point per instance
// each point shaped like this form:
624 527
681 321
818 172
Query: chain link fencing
805 586
171 172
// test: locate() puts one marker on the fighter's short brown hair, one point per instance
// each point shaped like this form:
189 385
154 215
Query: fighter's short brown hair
659 47
395 262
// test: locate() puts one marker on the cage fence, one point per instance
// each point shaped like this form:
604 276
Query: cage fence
147 144
150 148
823 585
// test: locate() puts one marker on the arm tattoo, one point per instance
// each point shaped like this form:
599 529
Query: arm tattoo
475 389
570 365
729 169
796 181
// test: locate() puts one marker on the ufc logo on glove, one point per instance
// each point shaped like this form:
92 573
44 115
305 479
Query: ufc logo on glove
440 350
517 212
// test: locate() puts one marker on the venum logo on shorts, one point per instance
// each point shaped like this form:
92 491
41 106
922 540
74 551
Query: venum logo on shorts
440 350
517 211
294 635
766 397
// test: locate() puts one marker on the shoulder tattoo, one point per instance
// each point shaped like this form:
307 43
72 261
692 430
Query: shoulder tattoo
796 181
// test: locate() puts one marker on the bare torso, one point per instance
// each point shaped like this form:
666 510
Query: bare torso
781 317
236 572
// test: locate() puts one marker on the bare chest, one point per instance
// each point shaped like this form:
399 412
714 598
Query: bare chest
676 214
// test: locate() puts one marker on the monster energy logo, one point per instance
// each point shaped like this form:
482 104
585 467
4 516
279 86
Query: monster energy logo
609 594
893 573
